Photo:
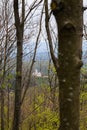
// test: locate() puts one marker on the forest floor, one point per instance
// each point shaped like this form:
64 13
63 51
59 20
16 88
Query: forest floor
40 109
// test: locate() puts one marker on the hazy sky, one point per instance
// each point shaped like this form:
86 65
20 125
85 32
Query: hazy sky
85 13
42 46
84 4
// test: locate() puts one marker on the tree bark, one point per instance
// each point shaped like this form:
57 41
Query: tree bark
18 86
68 15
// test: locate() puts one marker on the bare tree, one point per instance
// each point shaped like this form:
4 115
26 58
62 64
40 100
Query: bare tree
19 24
20 20
5 51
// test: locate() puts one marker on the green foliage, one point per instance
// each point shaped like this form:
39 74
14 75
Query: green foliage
47 120
83 96
6 80
37 110
83 112
43 118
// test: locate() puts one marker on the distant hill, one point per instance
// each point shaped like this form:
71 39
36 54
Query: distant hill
42 56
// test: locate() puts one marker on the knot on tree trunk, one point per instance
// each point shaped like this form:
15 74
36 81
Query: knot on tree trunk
78 62
68 26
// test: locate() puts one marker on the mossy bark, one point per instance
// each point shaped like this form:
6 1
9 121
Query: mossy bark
68 15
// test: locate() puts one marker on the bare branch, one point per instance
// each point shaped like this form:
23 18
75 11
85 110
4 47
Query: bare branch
55 60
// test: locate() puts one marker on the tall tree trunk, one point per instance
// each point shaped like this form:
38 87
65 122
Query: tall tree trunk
19 34
68 15
17 108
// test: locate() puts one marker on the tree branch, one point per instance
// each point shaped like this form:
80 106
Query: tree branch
55 60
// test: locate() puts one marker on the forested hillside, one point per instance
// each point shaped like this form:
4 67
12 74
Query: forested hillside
43 65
